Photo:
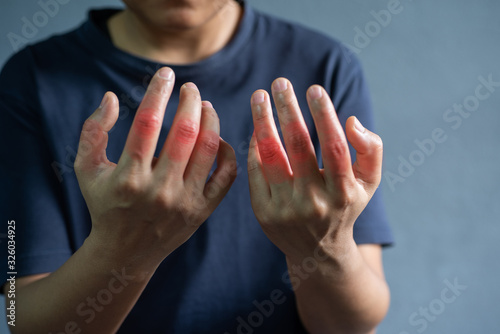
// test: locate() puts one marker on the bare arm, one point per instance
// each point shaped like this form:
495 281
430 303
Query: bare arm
142 209
309 213
346 295
67 300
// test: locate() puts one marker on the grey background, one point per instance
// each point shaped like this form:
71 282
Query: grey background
445 214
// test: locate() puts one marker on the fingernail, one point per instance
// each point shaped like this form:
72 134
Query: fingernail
104 101
166 73
258 98
207 104
280 85
190 85
358 126
315 92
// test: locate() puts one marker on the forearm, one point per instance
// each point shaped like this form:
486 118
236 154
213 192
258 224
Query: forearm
90 293
342 294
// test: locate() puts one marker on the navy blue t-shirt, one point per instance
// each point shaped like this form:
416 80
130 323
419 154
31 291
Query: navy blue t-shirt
216 280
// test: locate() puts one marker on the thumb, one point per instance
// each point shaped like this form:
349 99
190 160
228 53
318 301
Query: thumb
369 151
94 136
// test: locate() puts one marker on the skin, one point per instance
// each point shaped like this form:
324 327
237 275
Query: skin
307 211
144 207
175 32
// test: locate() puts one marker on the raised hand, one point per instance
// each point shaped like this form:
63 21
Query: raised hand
145 207
299 205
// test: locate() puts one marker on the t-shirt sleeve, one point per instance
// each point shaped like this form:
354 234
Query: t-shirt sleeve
31 193
351 96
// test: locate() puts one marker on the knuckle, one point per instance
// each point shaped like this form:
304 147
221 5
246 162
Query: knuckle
298 142
212 190
262 116
147 122
163 200
159 88
286 215
211 113
269 151
89 125
128 187
345 199
286 104
335 148
264 217
192 94
91 132
253 166
323 111
314 205
209 144
313 213
186 131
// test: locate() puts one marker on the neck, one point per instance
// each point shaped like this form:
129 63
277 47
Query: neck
174 45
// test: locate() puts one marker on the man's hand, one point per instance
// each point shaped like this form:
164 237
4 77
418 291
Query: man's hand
145 207
307 211
300 206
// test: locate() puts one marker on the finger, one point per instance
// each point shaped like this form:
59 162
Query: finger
205 149
334 149
259 189
94 136
369 152
223 177
298 143
183 134
271 151
143 136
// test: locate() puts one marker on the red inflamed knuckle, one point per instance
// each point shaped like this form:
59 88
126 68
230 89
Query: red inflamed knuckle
269 151
186 131
298 142
146 123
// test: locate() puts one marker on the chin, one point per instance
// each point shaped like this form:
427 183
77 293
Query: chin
176 14
181 19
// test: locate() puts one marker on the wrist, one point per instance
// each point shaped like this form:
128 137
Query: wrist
336 245
331 257
107 256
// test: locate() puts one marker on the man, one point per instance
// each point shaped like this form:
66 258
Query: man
152 246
